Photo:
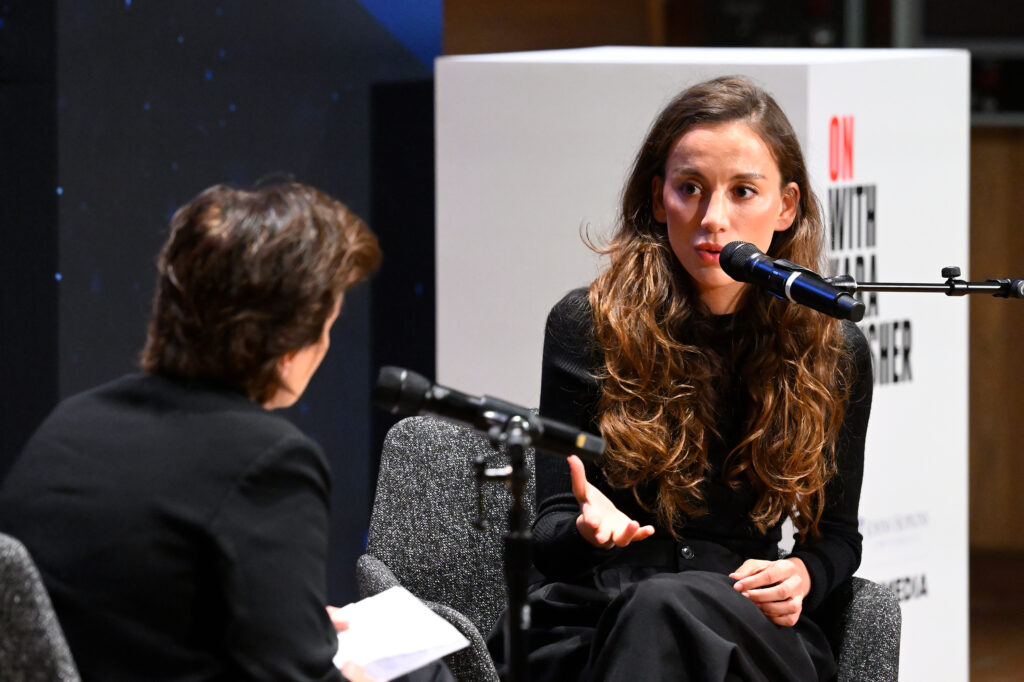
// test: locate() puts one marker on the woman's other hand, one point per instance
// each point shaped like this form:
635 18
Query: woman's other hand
339 621
600 522
777 587
355 673
351 671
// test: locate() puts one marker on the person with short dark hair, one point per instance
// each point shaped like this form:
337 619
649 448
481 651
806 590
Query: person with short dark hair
725 411
180 525
247 279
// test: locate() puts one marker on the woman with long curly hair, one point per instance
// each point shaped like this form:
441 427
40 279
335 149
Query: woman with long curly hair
725 410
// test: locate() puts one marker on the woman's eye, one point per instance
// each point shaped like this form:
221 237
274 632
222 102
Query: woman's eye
745 192
689 188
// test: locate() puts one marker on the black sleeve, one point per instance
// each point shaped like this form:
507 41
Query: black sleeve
833 557
272 533
568 393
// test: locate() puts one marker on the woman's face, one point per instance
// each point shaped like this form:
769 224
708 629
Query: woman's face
720 185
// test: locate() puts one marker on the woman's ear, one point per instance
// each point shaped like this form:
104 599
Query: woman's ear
284 362
284 366
790 207
658 199
283 393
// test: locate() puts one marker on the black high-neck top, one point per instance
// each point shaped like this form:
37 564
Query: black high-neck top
570 393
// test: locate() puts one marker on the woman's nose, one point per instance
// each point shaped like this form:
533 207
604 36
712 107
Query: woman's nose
715 218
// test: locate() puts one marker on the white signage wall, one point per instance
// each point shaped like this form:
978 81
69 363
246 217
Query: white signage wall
532 151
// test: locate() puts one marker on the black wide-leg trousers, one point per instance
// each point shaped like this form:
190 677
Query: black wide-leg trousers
695 626
629 622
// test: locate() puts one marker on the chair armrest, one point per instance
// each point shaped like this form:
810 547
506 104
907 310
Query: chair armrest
864 628
470 664
373 576
474 663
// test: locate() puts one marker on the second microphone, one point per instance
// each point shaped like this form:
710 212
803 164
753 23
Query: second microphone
401 391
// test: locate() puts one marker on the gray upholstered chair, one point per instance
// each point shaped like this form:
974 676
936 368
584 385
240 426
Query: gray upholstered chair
32 645
422 533
422 537
863 620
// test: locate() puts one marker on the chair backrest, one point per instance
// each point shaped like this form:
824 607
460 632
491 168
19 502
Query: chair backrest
422 524
32 645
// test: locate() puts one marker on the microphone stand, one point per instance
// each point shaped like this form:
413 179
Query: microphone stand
517 429
953 286
516 437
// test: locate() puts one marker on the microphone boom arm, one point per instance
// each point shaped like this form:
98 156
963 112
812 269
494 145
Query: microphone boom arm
953 286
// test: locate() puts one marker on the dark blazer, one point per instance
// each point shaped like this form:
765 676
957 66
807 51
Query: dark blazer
181 532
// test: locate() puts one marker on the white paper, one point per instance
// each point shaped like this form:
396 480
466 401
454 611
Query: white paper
392 633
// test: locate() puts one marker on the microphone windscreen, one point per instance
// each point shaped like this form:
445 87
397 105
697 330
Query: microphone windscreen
735 256
846 307
400 391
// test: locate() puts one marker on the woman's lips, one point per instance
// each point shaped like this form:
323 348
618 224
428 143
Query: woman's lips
708 253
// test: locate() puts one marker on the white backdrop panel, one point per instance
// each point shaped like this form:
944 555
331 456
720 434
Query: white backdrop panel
533 148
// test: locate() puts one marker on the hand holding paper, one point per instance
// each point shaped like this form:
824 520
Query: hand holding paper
392 633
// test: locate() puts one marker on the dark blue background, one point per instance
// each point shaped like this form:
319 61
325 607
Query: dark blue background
117 112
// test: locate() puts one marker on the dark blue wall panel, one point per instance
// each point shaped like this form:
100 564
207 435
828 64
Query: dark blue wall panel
28 220
155 101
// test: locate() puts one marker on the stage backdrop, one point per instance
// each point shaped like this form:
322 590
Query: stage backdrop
532 150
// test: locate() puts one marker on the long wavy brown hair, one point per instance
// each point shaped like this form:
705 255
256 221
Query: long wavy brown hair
659 401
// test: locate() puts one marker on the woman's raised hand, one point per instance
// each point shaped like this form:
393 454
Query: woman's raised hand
777 587
600 522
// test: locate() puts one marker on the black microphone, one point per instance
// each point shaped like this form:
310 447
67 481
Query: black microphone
403 392
744 262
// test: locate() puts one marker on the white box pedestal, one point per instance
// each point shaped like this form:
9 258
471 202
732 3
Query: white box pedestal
532 150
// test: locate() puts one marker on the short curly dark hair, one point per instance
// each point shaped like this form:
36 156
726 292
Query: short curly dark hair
248 276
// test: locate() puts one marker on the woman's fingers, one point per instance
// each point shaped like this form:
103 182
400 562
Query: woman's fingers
592 517
785 607
633 532
785 613
786 589
621 532
600 522
623 535
588 523
644 533
748 568
355 673
339 621
579 479
788 575
607 527
787 621
777 588
769 575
